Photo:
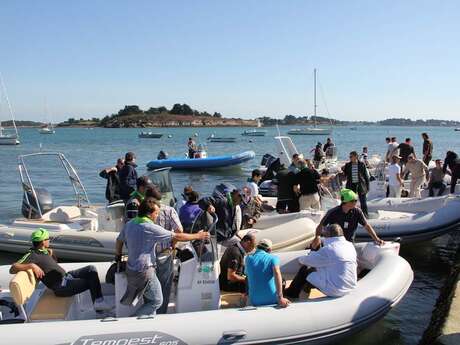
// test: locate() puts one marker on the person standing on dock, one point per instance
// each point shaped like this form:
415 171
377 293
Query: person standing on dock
427 149
128 176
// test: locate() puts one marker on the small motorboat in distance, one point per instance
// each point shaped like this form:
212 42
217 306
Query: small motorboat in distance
254 133
149 135
202 163
457 129
214 139
310 131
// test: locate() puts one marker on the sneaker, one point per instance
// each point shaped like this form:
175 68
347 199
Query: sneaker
102 306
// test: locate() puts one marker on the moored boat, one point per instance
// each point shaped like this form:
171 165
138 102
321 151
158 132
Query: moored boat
254 133
202 163
149 135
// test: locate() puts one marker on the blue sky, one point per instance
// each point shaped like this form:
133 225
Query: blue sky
242 58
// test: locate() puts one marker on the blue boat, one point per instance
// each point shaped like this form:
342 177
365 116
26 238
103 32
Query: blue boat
202 163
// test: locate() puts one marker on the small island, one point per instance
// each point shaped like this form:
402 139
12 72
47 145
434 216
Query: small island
180 115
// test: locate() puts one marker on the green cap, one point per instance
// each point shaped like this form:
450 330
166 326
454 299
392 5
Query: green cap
347 195
40 235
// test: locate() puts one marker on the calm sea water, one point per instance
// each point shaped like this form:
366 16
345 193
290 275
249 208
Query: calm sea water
92 150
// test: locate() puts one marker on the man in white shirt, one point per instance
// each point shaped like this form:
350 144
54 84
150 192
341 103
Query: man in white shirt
332 269
392 149
395 182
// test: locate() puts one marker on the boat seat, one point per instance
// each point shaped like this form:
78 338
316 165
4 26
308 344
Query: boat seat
51 307
48 306
62 214
231 299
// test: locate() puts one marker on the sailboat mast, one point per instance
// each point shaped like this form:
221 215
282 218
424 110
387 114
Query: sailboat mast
314 96
2 84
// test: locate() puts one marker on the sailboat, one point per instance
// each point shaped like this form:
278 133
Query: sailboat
48 129
5 137
312 130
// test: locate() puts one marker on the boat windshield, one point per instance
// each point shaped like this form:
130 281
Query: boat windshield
162 179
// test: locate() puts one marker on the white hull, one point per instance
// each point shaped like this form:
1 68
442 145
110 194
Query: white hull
91 237
9 140
310 131
381 289
46 131
416 220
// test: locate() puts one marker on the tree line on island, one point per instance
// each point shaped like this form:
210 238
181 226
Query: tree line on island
184 115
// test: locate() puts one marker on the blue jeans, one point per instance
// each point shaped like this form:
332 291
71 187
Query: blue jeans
153 298
165 276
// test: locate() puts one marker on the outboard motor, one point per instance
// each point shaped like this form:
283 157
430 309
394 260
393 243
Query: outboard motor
267 159
162 155
30 211
221 190
273 167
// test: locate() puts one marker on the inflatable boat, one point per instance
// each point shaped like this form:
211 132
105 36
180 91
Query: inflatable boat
87 232
202 163
411 223
200 314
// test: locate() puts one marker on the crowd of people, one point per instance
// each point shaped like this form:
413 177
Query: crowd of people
247 266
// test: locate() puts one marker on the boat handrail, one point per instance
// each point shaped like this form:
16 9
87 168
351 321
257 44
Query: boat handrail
81 195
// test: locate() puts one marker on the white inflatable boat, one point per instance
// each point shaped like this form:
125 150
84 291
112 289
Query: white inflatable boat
200 314
86 232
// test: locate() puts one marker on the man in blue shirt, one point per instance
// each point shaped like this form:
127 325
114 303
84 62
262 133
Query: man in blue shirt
141 235
264 276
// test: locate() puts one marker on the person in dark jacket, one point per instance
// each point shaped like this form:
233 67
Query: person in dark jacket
357 177
229 221
189 212
288 201
405 150
112 191
427 149
453 162
128 176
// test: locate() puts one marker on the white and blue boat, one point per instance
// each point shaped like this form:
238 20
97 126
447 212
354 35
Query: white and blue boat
202 163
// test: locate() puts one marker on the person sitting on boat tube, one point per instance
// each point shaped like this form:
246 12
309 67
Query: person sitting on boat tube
141 236
42 261
332 269
142 184
348 216
265 283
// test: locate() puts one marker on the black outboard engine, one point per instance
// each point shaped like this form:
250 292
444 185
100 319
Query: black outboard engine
272 169
162 155
221 190
44 200
267 159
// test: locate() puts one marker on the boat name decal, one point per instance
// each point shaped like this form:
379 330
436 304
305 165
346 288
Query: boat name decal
131 338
